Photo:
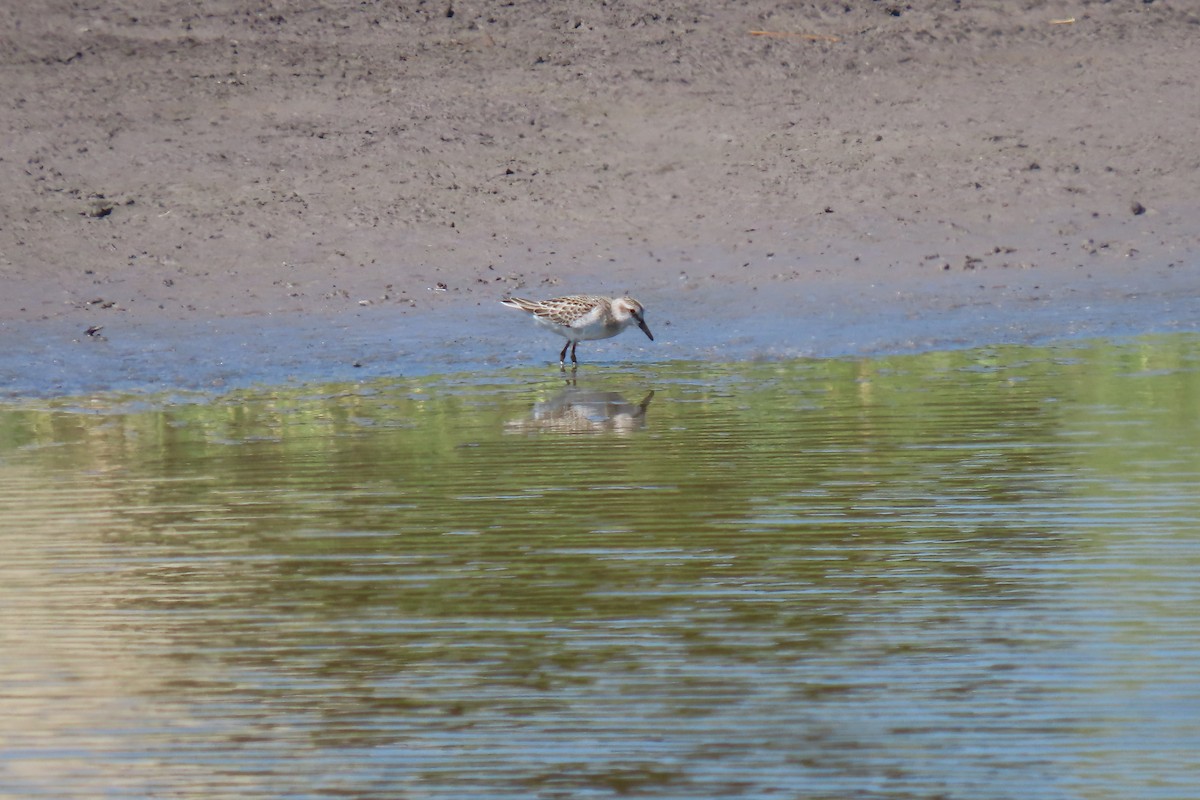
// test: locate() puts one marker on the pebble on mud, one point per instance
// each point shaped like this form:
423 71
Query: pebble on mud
98 208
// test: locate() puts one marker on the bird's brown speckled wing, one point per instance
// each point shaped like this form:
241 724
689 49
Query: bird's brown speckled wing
560 310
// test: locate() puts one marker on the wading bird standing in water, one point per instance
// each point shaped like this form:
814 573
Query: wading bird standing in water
580 317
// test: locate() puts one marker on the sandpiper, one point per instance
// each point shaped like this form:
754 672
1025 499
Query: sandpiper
578 317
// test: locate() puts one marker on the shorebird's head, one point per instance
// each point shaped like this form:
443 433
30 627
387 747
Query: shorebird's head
629 311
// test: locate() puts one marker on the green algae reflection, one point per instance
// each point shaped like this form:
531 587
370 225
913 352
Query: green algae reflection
711 554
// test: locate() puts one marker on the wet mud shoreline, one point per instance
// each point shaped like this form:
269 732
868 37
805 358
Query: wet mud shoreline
50 358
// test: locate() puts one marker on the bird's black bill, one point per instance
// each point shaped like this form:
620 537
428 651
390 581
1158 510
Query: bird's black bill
645 329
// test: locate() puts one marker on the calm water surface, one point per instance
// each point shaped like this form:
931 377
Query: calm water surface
970 575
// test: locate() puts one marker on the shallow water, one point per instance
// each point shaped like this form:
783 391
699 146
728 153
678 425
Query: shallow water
968 574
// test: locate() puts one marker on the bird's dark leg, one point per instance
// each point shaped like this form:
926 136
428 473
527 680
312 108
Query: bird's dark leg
574 360
562 357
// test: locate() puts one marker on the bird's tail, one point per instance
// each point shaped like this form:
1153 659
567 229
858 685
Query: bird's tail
518 303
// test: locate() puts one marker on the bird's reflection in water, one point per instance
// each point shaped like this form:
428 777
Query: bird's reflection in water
575 410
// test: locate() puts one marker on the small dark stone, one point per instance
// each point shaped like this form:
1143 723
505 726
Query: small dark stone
1137 208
